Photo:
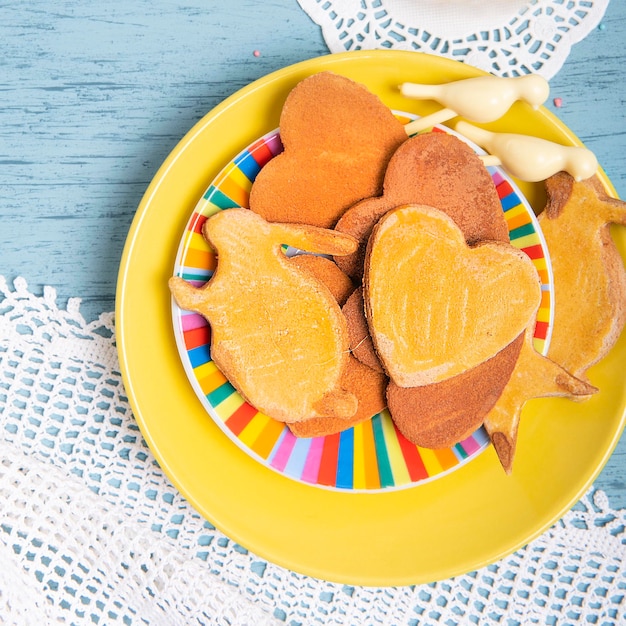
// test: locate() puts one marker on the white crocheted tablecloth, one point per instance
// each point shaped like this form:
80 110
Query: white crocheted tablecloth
506 38
92 531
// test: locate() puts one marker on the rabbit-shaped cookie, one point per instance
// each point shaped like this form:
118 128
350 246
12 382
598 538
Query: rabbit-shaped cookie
589 274
278 334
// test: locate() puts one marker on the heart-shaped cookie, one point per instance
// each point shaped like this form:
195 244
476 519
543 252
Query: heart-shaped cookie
338 138
437 307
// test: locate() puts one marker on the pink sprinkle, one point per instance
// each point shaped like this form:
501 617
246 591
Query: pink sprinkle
256 53
558 102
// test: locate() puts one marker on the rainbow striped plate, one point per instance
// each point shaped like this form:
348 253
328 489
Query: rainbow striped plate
372 455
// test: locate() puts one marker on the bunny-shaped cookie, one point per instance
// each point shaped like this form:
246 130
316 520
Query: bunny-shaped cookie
589 274
278 334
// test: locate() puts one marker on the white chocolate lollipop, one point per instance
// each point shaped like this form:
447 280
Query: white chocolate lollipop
530 158
480 99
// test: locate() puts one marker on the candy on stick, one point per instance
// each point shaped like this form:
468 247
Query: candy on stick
531 158
480 99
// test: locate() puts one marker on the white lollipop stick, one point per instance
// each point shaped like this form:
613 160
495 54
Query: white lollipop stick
428 121
489 159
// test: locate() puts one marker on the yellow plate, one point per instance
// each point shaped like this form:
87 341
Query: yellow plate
461 522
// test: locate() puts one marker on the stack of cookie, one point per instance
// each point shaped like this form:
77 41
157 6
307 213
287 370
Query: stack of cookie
420 304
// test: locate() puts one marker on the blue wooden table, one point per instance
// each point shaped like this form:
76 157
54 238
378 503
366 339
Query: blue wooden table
93 97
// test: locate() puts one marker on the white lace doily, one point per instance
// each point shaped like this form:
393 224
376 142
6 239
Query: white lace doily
506 38
91 530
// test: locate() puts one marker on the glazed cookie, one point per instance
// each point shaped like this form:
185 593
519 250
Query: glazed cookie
278 335
436 307
589 276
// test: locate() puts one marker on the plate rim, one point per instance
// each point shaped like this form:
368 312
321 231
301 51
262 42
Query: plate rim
333 568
